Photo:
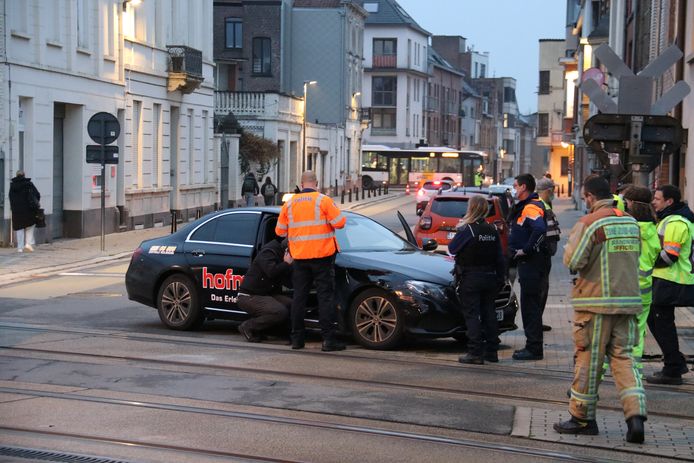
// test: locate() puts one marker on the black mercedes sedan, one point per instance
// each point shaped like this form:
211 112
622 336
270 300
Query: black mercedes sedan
386 287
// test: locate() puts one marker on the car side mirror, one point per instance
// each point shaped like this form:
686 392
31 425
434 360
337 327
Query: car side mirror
429 244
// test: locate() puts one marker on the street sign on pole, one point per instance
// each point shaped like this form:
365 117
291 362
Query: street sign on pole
103 128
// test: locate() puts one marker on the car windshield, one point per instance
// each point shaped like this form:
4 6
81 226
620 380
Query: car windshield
453 207
363 234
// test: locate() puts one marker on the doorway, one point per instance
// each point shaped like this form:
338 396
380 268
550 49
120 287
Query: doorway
56 216
399 171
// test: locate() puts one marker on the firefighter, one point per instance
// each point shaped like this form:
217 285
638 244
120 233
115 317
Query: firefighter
673 280
603 247
528 228
309 219
479 270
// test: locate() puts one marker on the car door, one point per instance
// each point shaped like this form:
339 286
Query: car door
219 252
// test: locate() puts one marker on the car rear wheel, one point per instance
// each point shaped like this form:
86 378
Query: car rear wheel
376 321
177 303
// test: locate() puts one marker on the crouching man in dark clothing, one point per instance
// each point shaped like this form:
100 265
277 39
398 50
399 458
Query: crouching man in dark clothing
261 291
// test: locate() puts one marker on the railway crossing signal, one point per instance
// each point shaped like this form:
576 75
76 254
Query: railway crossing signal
634 131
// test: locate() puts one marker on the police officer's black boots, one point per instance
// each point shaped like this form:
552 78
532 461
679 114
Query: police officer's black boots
635 429
297 340
332 345
576 426
471 359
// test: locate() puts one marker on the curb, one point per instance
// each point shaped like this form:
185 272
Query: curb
375 201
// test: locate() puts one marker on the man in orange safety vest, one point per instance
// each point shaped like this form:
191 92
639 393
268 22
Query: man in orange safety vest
309 220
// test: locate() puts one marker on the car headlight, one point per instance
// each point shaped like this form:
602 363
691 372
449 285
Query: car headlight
423 288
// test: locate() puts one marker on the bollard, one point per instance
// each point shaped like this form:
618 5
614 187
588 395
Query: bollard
173 220
342 198
350 195
362 193
379 190
198 213
369 192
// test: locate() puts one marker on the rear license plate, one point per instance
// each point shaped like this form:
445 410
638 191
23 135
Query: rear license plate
450 235
499 315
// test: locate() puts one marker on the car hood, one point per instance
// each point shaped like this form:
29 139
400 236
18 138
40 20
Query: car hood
412 264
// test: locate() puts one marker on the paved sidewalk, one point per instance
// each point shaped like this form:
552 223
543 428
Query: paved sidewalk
69 254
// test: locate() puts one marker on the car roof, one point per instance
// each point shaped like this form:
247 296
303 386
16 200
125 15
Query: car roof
463 195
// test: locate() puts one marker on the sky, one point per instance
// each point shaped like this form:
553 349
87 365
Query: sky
508 29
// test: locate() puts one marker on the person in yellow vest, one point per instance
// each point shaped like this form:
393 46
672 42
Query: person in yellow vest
479 178
638 204
603 247
673 280
309 220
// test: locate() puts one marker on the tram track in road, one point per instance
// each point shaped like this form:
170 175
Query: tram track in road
514 370
463 393
373 431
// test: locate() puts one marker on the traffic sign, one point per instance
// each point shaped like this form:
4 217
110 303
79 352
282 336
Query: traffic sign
103 128
94 154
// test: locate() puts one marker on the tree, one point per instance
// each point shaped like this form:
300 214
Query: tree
255 150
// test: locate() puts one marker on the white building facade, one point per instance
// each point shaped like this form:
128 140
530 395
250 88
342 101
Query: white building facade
395 76
150 66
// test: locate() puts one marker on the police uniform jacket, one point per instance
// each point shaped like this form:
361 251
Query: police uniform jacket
477 248
528 227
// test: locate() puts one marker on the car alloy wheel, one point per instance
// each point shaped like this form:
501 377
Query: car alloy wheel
178 303
376 322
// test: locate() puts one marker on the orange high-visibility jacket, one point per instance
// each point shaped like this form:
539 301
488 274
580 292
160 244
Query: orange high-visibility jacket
309 220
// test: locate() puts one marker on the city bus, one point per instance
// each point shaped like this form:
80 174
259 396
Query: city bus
412 167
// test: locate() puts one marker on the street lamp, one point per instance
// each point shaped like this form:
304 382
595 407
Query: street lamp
131 2
306 84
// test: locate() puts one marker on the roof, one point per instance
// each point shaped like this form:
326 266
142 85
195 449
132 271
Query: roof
390 12
469 90
438 60
317 3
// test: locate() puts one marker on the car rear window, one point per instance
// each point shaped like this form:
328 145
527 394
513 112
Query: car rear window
434 186
449 207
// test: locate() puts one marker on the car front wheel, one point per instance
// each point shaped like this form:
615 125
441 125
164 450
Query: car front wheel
177 303
375 320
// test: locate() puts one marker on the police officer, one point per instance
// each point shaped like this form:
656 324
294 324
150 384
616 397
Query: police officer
309 220
479 269
673 280
261 295
545 190
528 228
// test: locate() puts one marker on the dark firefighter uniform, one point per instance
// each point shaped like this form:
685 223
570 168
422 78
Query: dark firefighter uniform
480 273
528 228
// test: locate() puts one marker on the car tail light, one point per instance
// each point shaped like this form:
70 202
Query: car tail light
437 182
137 253
425 223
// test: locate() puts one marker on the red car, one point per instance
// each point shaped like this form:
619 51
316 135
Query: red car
443 212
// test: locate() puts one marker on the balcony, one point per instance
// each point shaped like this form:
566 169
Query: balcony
259 105
432 104
451 108
385 61
184 68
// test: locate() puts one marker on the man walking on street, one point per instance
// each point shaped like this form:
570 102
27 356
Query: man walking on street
673 280
260 294
603 248
528 228
309 220
249 189
545 190
24 203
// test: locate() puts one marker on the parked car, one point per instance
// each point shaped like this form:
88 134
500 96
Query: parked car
442 214
386 287
428 190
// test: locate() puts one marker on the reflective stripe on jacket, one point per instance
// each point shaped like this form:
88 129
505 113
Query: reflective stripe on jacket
675 234
604 248
309 220
528 225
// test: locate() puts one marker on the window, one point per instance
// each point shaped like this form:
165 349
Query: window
509 146
371 7
509 95
156 155
229 229
261 56
374 161
234 32
385 46
383 118
483 70
543 125
544 83
384 91
564 166
82 24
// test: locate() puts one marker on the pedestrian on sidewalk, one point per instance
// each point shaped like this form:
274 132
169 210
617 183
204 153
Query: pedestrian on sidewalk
479 275
25 204
268 190
528 228
260 294
673 280
249 189
545 190
309 219
603 247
